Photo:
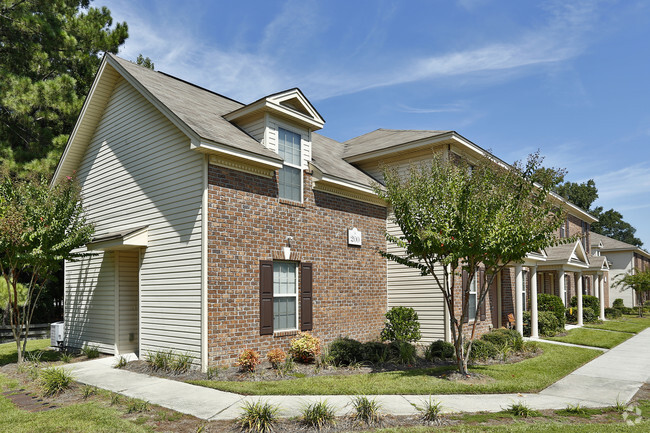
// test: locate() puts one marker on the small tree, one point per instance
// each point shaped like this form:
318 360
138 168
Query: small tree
40 226
455 217
639 281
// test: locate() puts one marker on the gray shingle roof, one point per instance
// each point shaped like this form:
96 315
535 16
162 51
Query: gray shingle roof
200 109
559 252
609 243
385 138
327 156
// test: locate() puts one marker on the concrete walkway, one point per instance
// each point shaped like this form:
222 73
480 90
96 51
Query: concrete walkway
616 375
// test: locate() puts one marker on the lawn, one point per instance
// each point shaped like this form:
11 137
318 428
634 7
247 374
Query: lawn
593 337
633 324
530 375
8 353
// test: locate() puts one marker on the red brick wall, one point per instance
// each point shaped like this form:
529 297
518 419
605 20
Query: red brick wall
248 223
574 225
482 326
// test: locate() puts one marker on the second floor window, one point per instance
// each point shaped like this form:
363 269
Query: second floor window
290 175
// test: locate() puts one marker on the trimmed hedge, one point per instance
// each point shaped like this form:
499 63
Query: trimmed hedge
439 349
613 313
482 350
504 337
588 315
554 304
346 351
587 301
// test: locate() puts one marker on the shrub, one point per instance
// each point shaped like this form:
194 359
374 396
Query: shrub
258 417
305 347
248 360
54 380
482 350
403 351
375 352
318 415
618 303
276 357
401 325
503 337
588 315
548 323
439 349
587 301
366 410
554 304
90 351
345 351
613 313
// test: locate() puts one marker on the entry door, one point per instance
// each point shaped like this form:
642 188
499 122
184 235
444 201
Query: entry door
128 280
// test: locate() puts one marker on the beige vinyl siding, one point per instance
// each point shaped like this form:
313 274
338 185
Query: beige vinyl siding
255 129
138 170
408 288
127 318
89 302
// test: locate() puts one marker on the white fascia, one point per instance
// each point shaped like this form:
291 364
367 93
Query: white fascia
210 147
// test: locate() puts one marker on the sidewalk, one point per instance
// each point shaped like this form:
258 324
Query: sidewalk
614 376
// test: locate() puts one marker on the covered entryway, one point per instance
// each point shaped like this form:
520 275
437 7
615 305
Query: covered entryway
127 247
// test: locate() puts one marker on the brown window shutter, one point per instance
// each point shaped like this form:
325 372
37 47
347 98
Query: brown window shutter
266 297
478 292
462 289
306 314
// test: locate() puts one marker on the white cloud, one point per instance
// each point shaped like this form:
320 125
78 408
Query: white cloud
270 64
621 184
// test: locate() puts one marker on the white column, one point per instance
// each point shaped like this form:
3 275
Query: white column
562 288
601 290
519 287
578 277
597 286
533 303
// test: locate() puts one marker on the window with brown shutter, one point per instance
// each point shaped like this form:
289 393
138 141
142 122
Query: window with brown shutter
481 283
306 314
266 297
462 289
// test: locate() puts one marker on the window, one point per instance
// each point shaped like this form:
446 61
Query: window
285 296
290 175
472 299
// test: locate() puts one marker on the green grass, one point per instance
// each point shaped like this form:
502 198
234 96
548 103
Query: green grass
8 353
530 375
625 324
86 417
593 337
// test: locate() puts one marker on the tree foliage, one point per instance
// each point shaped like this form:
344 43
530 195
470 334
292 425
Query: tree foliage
611 224
455 217
639 281
581 194
40 226
49 54
144 61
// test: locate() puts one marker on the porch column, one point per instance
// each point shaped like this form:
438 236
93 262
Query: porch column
579 296
601 290
533 303
519 310
561 286
597 286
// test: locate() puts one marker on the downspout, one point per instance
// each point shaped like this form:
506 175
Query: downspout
204 268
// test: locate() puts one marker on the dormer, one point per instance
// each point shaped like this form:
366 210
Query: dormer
283 123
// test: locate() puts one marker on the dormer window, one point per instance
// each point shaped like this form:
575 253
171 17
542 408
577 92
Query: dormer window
290 175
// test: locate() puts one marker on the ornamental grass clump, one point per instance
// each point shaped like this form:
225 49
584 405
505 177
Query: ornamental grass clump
318 415
367 411
54 380
248 360
305 348
258 417
431 412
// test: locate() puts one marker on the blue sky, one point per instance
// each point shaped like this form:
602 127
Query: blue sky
571 78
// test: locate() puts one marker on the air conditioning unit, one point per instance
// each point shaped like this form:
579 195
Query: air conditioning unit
56 334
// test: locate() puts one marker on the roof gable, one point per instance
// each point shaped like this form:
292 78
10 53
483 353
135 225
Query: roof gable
290 104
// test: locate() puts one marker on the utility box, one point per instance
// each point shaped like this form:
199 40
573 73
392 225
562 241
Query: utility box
56 334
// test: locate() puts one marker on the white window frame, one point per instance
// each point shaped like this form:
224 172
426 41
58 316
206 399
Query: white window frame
295 295
472 284
299 167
